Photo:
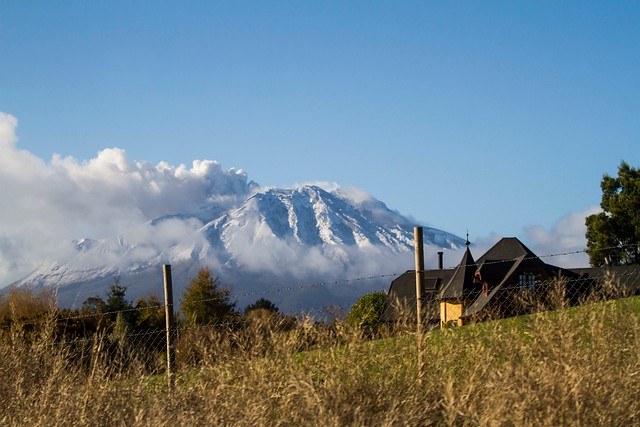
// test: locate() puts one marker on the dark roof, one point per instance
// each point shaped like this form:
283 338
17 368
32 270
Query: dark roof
629 275
462 277
509 248
496 274
632 270
500 264
404 286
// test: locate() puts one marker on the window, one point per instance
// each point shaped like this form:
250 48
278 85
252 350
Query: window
527 281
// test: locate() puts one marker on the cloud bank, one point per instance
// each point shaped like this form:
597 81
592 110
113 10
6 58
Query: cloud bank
48 205
567 235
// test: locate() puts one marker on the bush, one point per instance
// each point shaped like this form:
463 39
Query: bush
263 304
24 303
366 313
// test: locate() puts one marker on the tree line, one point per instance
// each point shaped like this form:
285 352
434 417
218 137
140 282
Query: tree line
204 302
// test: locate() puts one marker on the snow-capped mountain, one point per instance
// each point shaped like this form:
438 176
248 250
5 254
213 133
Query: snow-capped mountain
276 238
311 216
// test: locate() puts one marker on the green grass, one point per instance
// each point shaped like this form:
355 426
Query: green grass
524 327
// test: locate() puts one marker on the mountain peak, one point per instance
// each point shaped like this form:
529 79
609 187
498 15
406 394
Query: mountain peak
311 215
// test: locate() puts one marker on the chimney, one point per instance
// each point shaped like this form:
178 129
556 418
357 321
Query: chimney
440 265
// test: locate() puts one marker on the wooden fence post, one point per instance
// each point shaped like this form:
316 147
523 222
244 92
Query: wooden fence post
419 252
170 323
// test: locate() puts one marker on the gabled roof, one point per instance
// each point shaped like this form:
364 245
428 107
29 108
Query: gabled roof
462 276
509 248
497 274
496 266
500 264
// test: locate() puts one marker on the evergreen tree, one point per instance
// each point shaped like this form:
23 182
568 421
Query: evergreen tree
204 302
116 301
115 296
613 235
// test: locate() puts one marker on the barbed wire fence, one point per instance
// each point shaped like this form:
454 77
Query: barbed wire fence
138 336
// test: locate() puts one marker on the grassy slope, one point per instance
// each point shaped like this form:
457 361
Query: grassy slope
572 367
575 366
476 334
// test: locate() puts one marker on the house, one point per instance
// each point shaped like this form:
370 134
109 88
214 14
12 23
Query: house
403 295
486 287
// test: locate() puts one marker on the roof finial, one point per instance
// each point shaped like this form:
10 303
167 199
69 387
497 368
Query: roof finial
467 242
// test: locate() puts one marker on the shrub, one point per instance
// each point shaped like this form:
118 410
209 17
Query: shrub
263 304
366 313
24 303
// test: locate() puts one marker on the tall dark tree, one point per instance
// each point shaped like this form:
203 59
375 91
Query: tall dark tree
116 301
613 235
204 302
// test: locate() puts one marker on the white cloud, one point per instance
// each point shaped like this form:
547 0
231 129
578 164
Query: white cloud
567 235
8 124
48 204
328 186
112 198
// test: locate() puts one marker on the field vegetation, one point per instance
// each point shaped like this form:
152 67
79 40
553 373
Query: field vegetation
577 366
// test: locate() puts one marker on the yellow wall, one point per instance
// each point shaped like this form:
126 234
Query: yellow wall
450 311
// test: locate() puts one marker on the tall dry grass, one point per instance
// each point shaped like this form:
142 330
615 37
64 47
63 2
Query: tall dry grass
579 366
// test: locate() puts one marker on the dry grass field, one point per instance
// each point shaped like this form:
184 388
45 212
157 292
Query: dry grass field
579 366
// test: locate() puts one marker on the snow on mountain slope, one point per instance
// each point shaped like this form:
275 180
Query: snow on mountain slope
312 216
275 238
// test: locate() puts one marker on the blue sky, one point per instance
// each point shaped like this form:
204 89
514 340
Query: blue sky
488 116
